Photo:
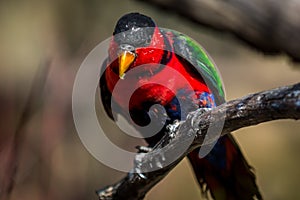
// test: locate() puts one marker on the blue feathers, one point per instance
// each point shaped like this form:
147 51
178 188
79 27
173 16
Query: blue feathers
190 102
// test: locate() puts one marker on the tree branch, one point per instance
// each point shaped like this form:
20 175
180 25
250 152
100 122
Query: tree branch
270 26
279 103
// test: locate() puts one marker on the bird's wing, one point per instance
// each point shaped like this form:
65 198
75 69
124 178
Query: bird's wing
188 49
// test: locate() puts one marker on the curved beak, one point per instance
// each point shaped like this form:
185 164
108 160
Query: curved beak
126 58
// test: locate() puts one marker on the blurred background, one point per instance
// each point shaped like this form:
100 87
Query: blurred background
42 44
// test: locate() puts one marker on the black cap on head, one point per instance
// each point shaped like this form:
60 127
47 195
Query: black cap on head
134 29
133 20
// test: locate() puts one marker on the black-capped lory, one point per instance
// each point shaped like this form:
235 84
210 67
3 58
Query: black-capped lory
223 172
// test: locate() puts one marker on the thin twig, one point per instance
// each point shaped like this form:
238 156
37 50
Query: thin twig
32 104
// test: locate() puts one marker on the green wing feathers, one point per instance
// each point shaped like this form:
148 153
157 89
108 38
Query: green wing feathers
206 64
196 55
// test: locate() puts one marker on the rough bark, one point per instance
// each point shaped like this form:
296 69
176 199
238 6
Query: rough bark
279 103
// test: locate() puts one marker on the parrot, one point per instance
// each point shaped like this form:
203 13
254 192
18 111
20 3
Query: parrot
137 41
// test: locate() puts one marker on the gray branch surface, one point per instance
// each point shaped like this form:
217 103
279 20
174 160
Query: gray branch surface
279 103
271 26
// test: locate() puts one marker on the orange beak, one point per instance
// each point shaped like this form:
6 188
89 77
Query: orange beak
126 58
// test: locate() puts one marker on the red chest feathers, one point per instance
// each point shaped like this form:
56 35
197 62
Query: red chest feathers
151 83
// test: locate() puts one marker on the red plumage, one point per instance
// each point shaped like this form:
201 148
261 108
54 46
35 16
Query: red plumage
224 170
152 56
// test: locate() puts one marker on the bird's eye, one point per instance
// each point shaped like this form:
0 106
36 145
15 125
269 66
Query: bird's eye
126 47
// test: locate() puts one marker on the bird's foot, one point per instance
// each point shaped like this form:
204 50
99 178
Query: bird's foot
193 116
172 128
